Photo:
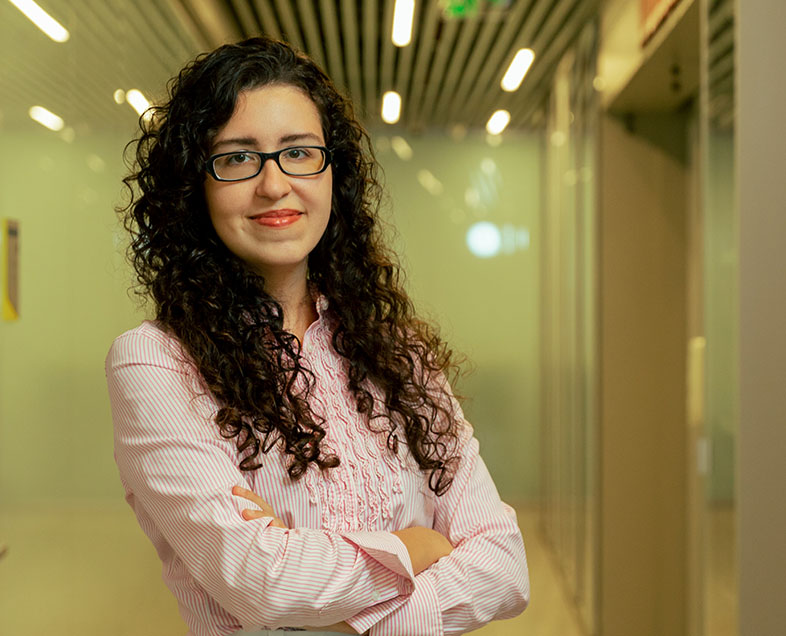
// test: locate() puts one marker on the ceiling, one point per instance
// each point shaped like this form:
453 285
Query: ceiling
721 77
449 75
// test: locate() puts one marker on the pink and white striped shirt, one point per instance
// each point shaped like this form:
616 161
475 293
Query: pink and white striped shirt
339 560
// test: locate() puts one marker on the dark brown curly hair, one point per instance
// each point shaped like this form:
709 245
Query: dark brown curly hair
219 309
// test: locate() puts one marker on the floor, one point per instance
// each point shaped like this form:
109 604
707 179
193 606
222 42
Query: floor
84 571
721 608
88 572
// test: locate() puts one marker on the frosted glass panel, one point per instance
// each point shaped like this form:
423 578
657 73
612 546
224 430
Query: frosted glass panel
721 308
569 323
466 218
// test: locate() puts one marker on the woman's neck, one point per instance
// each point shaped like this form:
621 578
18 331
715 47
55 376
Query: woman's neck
292 293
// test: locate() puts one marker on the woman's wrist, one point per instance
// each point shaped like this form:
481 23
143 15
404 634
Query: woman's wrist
424 545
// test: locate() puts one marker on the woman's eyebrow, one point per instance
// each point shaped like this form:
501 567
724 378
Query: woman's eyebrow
251 142
300 137
235 141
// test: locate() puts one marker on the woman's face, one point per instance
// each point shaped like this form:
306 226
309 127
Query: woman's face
271 221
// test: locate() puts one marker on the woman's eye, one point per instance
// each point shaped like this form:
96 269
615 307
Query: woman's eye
298 153
238 158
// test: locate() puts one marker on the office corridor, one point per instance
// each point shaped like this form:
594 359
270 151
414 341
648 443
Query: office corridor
90 572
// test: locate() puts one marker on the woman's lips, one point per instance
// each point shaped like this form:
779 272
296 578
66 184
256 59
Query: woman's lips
277 218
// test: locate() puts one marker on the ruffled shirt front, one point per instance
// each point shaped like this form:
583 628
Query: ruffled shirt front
338 560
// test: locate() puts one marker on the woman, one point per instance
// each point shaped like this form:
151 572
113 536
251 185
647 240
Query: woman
283 429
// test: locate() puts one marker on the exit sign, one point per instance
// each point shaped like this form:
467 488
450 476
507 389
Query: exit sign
467 8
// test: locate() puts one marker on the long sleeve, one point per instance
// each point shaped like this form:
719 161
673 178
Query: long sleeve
485 577
178 472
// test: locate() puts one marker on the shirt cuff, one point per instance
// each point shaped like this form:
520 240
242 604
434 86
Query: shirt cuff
418 615
388 550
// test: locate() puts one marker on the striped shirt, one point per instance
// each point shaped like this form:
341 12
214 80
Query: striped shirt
338 561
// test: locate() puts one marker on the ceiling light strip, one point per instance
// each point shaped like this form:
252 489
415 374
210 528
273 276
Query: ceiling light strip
51 27
46 118
391 107
138 102
403 17
517 70
497 122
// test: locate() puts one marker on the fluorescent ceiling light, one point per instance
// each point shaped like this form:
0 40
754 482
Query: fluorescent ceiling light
403 15
498 121
391 107
138 102
46 118
42 20
517 70
402 149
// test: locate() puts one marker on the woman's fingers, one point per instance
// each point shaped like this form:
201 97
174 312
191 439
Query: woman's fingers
250 515
250 495
266 509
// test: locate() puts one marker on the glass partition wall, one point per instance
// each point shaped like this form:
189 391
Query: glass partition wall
569 370
721 309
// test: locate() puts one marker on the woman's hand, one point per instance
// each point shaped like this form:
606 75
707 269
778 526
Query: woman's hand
250 515
267 511
425 546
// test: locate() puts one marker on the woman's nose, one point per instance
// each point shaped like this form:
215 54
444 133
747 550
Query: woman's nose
272 183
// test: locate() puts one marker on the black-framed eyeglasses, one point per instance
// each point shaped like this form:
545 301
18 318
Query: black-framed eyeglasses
296 161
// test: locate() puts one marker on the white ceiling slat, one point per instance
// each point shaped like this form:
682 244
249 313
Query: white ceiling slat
491 72
188 24
216 21
147 69
180 37
107 34
456 66
349 24
57 97
405 57
370 74
388 48
246 16
722 67
721 45
546 33
308 19
444 48
268 17
449 73
129 23
149 21
426 43
290 24
495 21
335 60
582 11
723 100
720 16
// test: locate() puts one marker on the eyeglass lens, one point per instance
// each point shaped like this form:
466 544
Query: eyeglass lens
301 160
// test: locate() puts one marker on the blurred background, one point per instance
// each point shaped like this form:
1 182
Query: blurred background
585 196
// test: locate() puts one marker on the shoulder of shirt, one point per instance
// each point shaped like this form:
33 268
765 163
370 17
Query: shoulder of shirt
147 344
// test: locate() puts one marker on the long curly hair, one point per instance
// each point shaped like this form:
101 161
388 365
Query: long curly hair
232 329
